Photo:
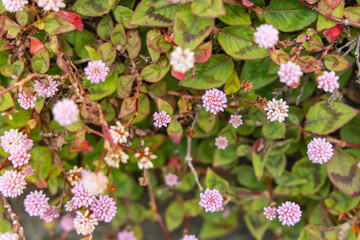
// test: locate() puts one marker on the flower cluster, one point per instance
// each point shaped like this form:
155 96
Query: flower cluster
189 237
65 112
144 157
67 223
221 142
289 213
328 81
36 204
46 91
94 182
96 71
26 101
319 150
51 5
113 158
125 235
266 36
182 61
171 180
12 183
290 74
14 5
214 101
118 133
161 119
9 236
211 200
276 110
235 120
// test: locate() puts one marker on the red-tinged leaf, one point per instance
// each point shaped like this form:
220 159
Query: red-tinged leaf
314 44
133 43
4 46
336 63
279 56
334 32
175 163
203 53
72 18
127 107
333 3
5 24
247 3
35 45
112 188
308 64
41 184
62 64
80 137
84 147
175 131
177 75
88 237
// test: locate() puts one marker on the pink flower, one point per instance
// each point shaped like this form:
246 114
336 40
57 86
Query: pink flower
13 139
221 142
96 71
9 235
161 119
266 36
270 213
118 133
46 91
214 101
14 5
85 223
276 110
236 120
289 213
124 235
53 5
189 237
66 223
50 214
81 198
28 171
211 200
319 150
12 183
25 101
171 180
19 157
94 182
144 157
36 203
328 81
65 112
290 74
182 61
104 208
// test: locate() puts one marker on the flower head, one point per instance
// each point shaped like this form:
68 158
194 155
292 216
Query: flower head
113 159
81 198
26 101
161 119
182 61
104 208
214 101
9 235
266 36
289 213
276 110
189 237
290 74
96 71
118 133
13 139
319 150
36 203
12 183
328 81
221 142
46 91
94 182
211 200
270 213
74 175
236 120
50 214
67 223
14 5
19 157
65 112
28 171
85 223
171 180
124 235
144 157
52 5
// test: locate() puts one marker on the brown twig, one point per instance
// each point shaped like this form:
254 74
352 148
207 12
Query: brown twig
14 219
270 190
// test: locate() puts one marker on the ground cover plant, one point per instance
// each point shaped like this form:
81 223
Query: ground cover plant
120 112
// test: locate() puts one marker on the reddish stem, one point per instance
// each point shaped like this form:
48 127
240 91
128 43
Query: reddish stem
127 148
8 89
136 105
270 190
4 164
101 160
245 101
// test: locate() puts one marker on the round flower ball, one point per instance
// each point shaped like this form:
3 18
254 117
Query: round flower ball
65 112
319 150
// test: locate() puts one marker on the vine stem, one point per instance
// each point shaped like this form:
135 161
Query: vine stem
245 101
101 160
14 218
270 190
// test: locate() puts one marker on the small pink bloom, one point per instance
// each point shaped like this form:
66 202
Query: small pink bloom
104 208
289 213
12 183
214 101
319 150
328 81
19 157
96 71
36 203
81 198
211 200
28 171
50 214
189 237
124 235
290 74
266 36
182 61
236 120
51 5
26 101
9 235
14 5
65 112
66 223
94 182
221 142
270 213
13 139
85 223
46 91
161 119
171 180
276 110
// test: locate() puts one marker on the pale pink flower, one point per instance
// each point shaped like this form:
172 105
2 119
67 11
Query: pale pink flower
124 235
290 74
94 182
36 203
65 112
221 142
144 157
9 235
270 213
211 200
46 91
113 159
51 5
319 150
28 171
13 139
266 36
171 180
50 214
189 237
85 223
276 110
81 198
235 120
12 183
14 5
182 61
328 81
74 175
26 101
214 100
118 133
289 213
104 208
161 119
96 71
19 157
67 223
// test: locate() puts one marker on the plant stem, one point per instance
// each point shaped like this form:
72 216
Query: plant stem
14 219
270 190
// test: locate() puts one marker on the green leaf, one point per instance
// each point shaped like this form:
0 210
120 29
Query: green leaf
93 8
175 131
5 226
288 179
344 173
353 14
150 36
160 16
235 15
232 85
324 22
225 157
123 15
350 132
174 215
308 64
260 152
56 25
6 101
311 232
124 86
137 212
92 53
102 89
189 29
144 109
279 56
336 63
159 44
107 53
104 27
237 41
341 202
211 229
214 181
133 43
206 120
208 8
118 36
211 74
84 38
321 119
192 207
245 176
256 224
274 130
41 61
289 15
156 71
164 105
276 164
